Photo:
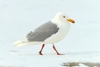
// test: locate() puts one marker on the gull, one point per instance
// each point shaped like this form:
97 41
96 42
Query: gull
50 32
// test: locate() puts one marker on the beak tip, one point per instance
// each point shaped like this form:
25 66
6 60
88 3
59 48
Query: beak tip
73 22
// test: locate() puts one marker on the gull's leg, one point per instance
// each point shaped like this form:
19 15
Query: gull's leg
40 52
56 50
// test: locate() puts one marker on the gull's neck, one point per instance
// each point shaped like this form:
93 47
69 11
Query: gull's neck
59 21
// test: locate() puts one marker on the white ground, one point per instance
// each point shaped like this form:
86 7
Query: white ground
18 17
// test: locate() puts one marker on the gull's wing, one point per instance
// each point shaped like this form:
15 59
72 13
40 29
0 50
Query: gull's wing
42 32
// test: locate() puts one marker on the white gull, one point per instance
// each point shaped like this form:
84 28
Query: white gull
48 33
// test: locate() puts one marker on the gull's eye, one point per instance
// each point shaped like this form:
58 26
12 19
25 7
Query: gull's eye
64 17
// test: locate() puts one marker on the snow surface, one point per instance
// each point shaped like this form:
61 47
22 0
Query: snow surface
18 17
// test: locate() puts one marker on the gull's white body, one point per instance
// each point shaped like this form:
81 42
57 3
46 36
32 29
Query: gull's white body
63 31
64 27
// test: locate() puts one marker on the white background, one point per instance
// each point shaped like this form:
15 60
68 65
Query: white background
18 17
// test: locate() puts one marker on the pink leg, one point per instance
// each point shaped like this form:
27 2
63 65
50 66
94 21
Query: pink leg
56 50
40 52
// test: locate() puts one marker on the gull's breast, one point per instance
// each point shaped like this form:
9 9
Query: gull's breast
63 31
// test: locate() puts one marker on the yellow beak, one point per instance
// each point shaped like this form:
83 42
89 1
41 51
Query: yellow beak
71 20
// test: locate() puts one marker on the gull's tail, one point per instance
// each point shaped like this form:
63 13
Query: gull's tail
22 42
25 43
19 43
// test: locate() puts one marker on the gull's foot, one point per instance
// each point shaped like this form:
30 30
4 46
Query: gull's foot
40 53
59 54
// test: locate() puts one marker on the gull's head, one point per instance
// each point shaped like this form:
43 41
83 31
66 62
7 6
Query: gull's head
62 17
